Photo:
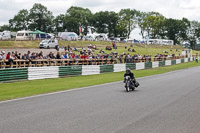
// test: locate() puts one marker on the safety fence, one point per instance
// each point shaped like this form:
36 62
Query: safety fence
68 62
54 62
32 73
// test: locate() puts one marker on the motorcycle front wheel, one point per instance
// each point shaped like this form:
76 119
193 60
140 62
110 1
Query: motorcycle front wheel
127 88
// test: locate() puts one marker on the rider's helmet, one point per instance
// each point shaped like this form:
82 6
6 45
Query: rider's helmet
128 71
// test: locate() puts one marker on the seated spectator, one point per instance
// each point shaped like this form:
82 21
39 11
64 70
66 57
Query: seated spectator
33 56
8 56
51 55
19 56
75 49
94 47
2 56
125 46
66 55
58 55
16 55
133 50
108 48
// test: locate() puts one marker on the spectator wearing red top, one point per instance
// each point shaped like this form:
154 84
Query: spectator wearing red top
73 56
85 56
82 56
8 56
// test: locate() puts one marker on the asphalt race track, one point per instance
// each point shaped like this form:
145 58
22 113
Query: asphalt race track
166 103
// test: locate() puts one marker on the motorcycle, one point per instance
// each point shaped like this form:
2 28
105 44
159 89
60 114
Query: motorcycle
129 85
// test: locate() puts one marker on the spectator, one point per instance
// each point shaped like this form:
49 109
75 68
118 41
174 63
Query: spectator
62 56
58 55
51 55
8 56
24 57
40 54
68 47
33 56
66 55
16 55
28 55
2 57
65 48
57 47
19 56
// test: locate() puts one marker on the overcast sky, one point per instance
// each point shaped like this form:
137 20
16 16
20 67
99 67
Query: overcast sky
169 8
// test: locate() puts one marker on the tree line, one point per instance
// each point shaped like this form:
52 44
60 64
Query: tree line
120 24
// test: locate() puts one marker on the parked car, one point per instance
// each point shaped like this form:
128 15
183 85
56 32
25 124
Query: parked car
51 43
5 35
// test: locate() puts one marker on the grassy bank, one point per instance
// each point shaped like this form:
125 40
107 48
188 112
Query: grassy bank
29 88
140 49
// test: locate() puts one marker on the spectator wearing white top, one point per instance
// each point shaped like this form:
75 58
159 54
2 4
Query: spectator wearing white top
2 55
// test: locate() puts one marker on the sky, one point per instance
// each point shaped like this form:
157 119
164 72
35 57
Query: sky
176 9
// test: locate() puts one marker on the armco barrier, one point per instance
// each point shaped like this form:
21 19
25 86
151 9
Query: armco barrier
140 66
131 66
161 63
182 60
32 73
178 61
148 65
70 70
173 62
43 72
155 64
12 74
186 60
106 68
119 67
168 62
90 69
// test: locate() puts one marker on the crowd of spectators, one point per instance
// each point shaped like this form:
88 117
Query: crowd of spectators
81 53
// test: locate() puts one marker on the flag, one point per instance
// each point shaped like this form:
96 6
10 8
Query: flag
79 28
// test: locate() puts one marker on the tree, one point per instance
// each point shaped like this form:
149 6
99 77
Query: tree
59 23
194 33
121 29
176 29
20 21
140 20
77 16
4 27
41 18
128 17
106 22
153 24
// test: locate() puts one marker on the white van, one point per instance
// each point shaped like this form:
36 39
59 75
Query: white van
23 35
51 43
5 35
69 36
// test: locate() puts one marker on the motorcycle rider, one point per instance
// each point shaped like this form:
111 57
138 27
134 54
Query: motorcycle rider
129 73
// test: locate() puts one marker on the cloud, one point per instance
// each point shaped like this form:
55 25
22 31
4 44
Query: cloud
169 8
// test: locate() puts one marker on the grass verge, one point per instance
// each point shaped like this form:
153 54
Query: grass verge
29 88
